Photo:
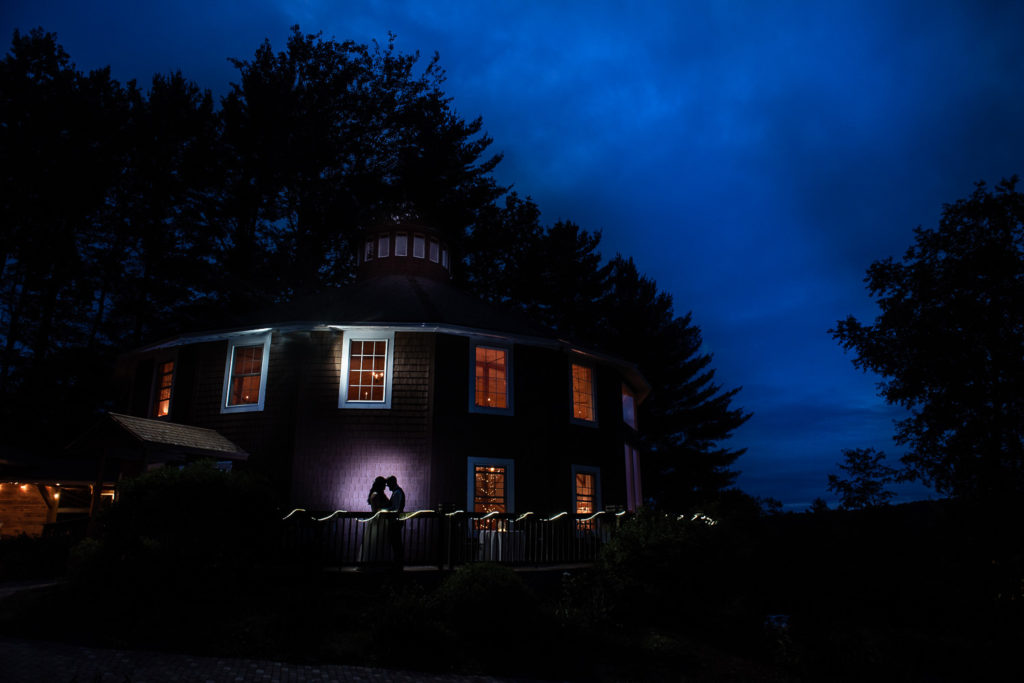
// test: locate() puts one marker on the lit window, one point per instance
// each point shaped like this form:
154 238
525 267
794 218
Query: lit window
628 407
366 366
419 246
366 370
435 250
491 378
164 383
634 499
401 244
586 483
245 377
585 492
383 246
583 393
490 487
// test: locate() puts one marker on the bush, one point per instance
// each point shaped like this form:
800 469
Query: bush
191 529
29 557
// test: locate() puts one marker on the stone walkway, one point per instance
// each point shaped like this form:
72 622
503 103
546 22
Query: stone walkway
30 661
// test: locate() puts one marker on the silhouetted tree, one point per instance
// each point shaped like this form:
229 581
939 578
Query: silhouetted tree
688 417
131 214
949 343
326 137
818 506
865 480
63 152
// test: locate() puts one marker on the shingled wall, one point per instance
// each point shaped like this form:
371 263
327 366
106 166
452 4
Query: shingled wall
338 452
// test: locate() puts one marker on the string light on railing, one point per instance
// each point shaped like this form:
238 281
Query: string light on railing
523 516
560 514
701 517
292 513
331 516
371 518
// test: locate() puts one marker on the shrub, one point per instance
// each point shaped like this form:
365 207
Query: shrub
188 529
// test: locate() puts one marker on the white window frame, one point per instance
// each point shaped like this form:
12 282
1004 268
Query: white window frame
587 469
572 394
401 244
510 480
435 251
249 339
350 335
509 378
384 246
419 246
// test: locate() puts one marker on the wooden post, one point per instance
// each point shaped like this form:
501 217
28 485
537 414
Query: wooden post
51 500
97 494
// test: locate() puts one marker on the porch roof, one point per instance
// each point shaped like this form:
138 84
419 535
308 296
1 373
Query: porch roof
169 437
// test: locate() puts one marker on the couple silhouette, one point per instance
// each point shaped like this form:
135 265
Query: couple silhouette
378 500
386 530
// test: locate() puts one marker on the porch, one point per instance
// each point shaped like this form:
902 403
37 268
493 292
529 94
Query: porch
444 540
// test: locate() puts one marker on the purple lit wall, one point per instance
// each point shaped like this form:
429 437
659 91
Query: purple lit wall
338 453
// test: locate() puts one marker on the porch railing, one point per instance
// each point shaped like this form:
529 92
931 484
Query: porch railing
446 539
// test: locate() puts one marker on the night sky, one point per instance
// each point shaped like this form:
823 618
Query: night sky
752 157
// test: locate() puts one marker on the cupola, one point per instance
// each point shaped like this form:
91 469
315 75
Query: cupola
403 249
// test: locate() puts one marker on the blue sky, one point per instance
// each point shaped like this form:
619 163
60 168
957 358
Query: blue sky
752 157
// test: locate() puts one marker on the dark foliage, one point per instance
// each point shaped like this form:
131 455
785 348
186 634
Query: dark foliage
949 345
865 480
132 215
557 275
191 531
923 591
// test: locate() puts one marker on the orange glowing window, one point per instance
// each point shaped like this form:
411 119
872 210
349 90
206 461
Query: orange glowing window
585 493
489 489
367 370
491 385
246 371
583 393
164 382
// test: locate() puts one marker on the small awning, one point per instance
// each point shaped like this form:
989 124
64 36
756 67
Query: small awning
154 441
160 436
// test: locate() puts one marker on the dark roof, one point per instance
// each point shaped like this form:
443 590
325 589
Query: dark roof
138 438
178 437
401 299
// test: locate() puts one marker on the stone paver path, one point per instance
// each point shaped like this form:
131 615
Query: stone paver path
30 661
